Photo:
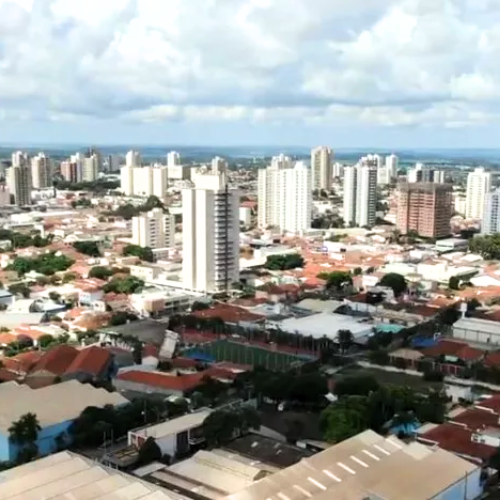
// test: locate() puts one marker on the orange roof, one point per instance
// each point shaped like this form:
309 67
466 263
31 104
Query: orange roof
92 360
56 361
7 338
22 362
228 313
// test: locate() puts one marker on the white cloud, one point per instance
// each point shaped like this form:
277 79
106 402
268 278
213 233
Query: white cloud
388 62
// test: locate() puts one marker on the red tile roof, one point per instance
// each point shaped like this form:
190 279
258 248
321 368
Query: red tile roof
92 360
23 362
492 403
475 418
492 359
56 361
8 376
229 314
458 439
448 347
180 383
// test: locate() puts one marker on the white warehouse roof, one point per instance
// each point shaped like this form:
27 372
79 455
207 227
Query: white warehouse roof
326 325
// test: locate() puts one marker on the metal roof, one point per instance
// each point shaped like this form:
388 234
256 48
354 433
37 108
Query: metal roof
364 466
53 404
69 476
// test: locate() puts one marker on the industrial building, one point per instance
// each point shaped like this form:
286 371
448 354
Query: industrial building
371 466
56 407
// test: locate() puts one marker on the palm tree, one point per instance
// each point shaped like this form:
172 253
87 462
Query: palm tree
345 339
25 430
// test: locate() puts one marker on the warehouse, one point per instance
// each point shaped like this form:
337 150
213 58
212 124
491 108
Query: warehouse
481 331
371 466
55 407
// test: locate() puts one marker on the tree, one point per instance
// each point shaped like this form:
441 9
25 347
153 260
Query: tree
453 283
294 429
127 285
379 357
337 279
344 419
47 264
149 452
284 262
90 248
223 425
20 289
394 281
54 296
345 339
356 385
100 272
488 246
45 341
24 433
144 253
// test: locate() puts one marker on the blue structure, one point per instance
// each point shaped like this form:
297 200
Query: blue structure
422 342
55 406
203 357
389 328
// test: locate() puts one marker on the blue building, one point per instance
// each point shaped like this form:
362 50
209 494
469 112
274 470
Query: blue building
56 407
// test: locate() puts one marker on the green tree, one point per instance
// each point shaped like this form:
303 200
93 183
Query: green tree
337 279
90 248
345 339
488 246
356 385
149 452
100 272
346 418
143 253
127 285
453 283
20 289
284 262
68 277
394 281
224 425
45 341
379 357
24 433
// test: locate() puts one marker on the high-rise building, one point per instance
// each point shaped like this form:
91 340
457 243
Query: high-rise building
491 216
391 166
360 195
439 176
79 160
425 173
321 168
337 170
154 229
19 178
90 170
69 171
210 232
4 195
173 159
285 196
425 208
113 163
133 159
478 186
144 181
41 171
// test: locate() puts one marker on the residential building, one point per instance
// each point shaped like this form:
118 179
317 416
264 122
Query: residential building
491 216
173 159
113 163
4 195
56 407
90 169
19 178
360 195
425 208
337 170
79 159
133 159
41 171
70 171
144 181
321 168
391 166
154 229
478 186
210 231
285 196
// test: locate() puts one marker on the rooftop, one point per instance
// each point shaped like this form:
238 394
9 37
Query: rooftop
47 402
176 425
228 313
66 475
364 466
145 330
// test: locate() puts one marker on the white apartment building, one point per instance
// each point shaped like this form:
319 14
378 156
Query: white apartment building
133 159
144 181
285 196
491 216
4 195
321 168
90 170
78 159
210 232
391 166
478 186
337 170
154 229
360 195
19 178
41 171
173 159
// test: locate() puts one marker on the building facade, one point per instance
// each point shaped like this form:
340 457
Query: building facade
19 178
154 229
490 223
478 186
425 208
90 169
41 171
285 196
144 181
210 232
321 168
360 195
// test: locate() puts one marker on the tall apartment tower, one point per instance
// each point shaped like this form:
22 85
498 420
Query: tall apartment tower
19 178
285 196
79 160
173 159
425 208
478 186
90 169
490 223
360 195
41 171
321 168
144 181
133 159
154 229
210 232
69 171
391 166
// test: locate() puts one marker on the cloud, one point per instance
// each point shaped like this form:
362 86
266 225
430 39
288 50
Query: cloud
385 62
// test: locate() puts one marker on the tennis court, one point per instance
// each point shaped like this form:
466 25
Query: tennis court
245 354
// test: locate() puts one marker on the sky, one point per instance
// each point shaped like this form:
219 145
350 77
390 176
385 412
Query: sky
345 73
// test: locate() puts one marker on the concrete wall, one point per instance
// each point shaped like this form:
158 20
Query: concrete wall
46 441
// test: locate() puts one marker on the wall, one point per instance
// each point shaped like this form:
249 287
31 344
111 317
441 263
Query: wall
46 441
168 444
466 489
146 389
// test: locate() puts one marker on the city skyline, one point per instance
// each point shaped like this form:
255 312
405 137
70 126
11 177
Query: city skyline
390 74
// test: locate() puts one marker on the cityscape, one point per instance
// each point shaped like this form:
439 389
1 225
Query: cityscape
249 250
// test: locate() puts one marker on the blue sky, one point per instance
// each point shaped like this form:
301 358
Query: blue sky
347 73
